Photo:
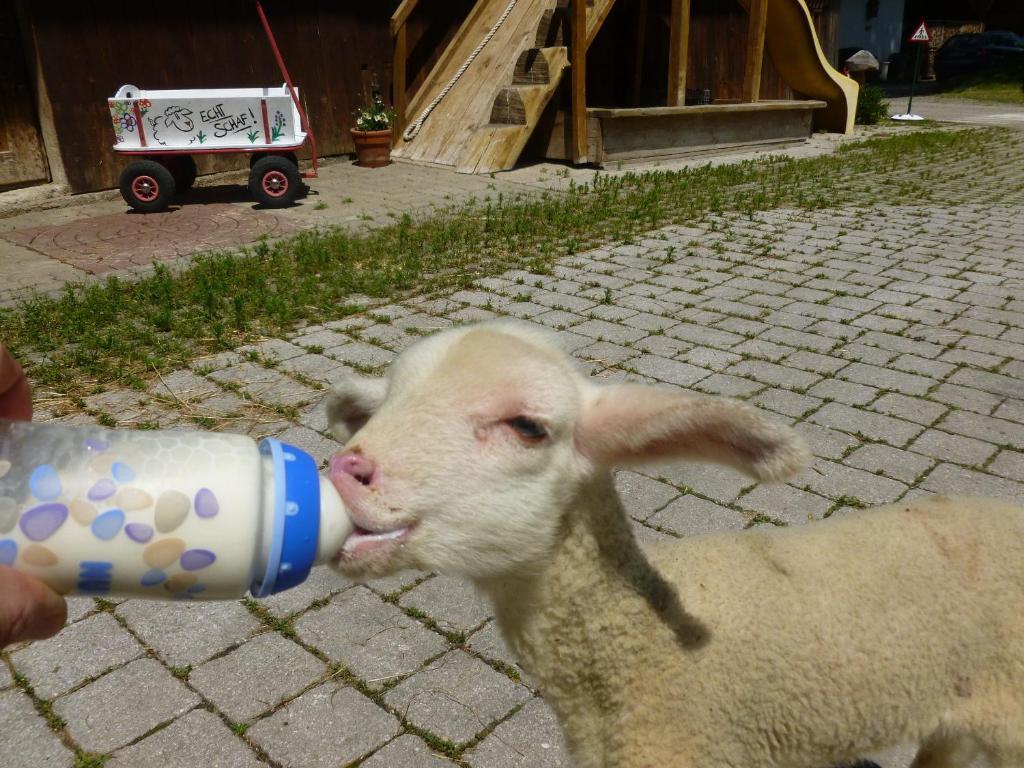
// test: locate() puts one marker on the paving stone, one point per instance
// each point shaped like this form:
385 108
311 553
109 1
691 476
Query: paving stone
372 638
1007 386
456 697
329 726
531 738
966 397
26 739
1008 464
556 318
892 462
183 386
319 368
606 353
728 386
998 431
711 359
79 608
406 751
123 705
786 503
812 361
6 679
954 480
396 582
316 445
359 353
273 349
645 321
641 495
197 739
702 335
915 409
489 643
322 582
1010 410
954 448
787 403
692 516
718 483
455 604
81 651
843 391
663 346
763 350
257 676
921 365
777 375
884 378
325 339
836 481
670 371
188 633
865 354
874 426
798 339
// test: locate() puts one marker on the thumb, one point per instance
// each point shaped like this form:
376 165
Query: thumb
29 610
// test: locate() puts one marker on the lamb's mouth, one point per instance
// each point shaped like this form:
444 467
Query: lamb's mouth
362 542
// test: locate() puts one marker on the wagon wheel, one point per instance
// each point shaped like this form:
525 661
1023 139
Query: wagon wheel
147 186
275 181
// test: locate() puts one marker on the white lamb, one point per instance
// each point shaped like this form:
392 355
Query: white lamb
485 454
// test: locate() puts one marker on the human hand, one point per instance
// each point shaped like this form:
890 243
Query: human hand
29 610
15 398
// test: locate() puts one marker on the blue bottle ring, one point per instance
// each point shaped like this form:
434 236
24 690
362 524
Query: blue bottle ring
296 530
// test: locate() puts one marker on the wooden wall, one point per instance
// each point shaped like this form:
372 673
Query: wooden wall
718 34
89 49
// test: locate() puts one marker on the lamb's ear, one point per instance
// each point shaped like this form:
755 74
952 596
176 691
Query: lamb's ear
631 423
351 404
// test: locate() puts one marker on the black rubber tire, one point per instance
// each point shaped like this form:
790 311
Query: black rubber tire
283 186
184 170
147 186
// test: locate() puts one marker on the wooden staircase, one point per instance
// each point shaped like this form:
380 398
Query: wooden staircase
487 118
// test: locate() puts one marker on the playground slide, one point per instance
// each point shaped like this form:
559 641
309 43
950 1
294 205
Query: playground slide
793 46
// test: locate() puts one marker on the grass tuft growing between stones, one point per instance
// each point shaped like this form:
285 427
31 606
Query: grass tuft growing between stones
124 332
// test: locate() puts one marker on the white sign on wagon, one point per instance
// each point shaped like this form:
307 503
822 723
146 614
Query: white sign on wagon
200 120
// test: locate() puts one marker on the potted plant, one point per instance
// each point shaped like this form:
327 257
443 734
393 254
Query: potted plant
372 134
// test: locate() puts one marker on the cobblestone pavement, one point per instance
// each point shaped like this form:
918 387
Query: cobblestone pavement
891 337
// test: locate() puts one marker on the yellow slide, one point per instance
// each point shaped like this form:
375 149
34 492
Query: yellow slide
794 49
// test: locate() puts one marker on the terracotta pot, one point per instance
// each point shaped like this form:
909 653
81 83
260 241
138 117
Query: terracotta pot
373 148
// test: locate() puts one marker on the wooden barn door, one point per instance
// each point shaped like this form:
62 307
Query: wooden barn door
22 160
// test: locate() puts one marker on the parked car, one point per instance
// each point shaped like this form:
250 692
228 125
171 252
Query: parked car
974 52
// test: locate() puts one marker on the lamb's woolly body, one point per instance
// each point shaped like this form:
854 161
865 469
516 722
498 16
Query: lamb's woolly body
787 647
771 648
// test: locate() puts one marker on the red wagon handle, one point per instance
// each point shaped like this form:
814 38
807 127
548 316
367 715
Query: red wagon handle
291 88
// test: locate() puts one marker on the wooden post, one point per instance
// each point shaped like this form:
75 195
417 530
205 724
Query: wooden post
578 106
678 51
755 50
638 63
398 80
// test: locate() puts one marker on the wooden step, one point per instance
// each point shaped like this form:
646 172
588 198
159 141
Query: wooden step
553 28
508 108
531 68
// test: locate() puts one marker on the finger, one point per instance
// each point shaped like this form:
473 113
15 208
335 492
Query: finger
15 397
29 610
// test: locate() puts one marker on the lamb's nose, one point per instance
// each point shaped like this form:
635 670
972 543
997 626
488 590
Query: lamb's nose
353 464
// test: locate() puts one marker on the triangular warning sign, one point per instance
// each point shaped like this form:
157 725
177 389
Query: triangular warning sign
920 35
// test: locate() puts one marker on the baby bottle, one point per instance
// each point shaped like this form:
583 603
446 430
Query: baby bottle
162 514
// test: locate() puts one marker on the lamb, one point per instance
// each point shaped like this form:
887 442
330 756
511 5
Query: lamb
486 454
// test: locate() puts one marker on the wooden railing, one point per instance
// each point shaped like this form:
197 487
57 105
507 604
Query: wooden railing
398 35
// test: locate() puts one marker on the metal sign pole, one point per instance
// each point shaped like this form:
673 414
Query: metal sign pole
913 80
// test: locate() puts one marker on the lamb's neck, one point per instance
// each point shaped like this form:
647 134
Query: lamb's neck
565 621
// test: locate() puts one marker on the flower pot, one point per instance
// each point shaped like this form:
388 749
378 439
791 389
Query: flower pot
373 148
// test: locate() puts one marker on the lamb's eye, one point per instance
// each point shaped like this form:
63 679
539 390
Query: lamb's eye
527 428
